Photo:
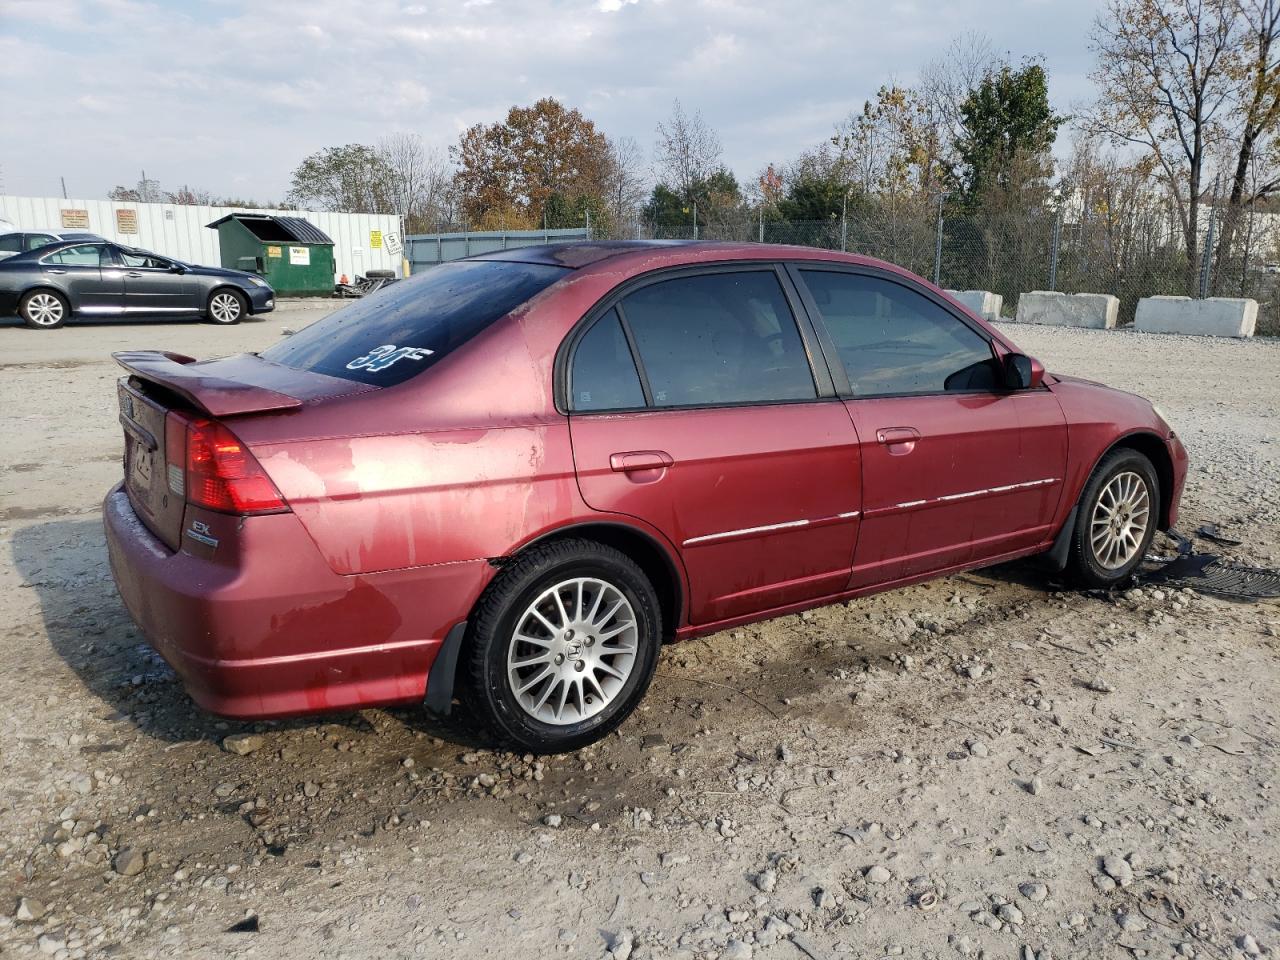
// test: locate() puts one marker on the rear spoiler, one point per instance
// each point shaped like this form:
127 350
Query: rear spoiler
215 395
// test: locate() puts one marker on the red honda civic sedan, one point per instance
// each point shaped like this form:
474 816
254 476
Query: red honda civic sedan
510 479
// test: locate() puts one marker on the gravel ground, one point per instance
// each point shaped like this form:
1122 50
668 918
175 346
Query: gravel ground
979 766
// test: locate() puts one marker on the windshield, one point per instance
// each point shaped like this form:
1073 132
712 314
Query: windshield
403 329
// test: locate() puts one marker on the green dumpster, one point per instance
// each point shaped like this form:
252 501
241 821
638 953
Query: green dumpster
293 255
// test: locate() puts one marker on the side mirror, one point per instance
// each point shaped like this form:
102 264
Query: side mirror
177 268
1022 372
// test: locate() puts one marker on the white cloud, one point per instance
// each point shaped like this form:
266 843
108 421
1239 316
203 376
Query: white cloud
233 95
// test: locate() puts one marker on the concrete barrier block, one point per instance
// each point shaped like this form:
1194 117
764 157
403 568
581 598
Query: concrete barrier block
984 303
1097 311
1214 317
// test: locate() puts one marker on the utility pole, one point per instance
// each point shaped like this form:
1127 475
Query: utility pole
937 246
64 187
695 219
1206 265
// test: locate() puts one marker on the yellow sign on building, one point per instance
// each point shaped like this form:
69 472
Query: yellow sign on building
375 239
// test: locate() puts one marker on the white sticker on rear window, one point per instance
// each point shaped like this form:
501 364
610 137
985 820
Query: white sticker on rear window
379 358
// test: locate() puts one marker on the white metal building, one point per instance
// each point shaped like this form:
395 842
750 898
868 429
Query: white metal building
361 241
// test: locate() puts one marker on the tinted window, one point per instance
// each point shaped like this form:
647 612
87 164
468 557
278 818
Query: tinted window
604 374
895 340
719 338
86 255
11 243
37 240
403 329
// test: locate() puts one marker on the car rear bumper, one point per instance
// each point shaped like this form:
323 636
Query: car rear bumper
268 629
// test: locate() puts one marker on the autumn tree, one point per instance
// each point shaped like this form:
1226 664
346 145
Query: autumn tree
1165 75
544 163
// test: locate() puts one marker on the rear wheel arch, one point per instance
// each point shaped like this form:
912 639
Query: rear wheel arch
657 561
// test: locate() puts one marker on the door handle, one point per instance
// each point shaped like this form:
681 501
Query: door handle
56 270
133 273
898 440
639 460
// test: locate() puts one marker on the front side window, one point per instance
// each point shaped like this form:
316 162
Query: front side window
893 340
604 374
403 329
85 255
11 243
719 338
37 240
143 260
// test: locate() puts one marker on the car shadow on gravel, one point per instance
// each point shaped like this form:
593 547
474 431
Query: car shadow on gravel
64 561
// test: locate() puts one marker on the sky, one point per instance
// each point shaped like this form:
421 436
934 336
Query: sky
230 96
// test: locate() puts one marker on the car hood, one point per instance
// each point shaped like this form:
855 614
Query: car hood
221 272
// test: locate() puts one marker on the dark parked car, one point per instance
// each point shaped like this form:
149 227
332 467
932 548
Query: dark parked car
49 285
515 476
16 241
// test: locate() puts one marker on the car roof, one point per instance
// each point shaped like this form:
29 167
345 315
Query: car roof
574 254
580 254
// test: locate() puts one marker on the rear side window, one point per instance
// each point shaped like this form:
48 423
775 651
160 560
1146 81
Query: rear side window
11 243
720 338
88 255
893 340
604 374
403 329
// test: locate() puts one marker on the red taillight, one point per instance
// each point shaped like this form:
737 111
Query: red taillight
220 473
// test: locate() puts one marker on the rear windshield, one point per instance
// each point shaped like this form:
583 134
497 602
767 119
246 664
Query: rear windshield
403 329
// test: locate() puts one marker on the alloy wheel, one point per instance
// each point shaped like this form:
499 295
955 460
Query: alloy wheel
225 308
572 651
44 310
1120 519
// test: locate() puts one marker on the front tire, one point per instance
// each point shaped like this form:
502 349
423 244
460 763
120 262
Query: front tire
562 646
226 307
1119 511
44 309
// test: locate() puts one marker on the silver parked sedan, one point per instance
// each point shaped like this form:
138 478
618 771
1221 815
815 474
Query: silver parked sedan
100 279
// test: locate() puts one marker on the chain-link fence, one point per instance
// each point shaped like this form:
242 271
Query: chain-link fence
1010 252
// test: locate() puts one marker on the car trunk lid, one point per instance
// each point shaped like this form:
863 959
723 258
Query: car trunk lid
165 391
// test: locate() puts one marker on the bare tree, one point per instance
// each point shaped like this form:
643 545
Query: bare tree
1258 113
624 181
1165 75
687 152
945 84
418 179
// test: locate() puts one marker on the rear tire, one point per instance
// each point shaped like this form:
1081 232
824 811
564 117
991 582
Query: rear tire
562 646
1117 519
226 307
44 309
